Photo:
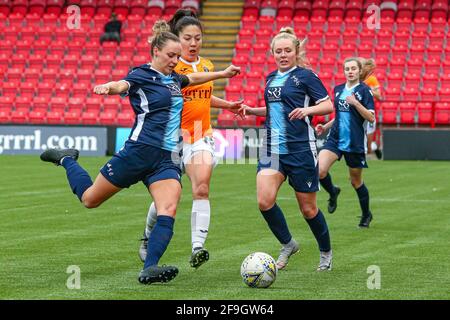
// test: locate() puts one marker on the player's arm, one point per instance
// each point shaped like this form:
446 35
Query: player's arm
367 114
377 93
260 112
322 108
202 77
321 128
113 87
219 103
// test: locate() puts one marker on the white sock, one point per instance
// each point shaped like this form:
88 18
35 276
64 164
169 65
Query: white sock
374 146
151 219
200 218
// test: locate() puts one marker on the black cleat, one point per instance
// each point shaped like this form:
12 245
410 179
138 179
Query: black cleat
199 256
157 274
332 202
365 220
379 154
55 155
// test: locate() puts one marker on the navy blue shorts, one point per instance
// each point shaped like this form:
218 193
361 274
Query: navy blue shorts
352 159
140 162
301 168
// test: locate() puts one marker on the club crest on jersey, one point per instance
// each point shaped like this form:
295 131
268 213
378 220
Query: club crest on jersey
358 95
274 94
174 89
296 81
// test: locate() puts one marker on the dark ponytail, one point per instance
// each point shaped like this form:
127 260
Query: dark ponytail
183 18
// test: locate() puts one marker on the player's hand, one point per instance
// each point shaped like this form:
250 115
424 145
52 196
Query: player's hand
231 71
101 89
320 129
235 105
352 100
298 113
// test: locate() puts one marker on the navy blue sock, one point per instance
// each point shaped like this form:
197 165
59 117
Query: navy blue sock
363 195
79 179
327 184
319 228
159 240
277 223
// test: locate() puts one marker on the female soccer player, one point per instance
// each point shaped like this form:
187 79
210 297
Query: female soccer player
198 146
368 68
347 137
151 153
293 95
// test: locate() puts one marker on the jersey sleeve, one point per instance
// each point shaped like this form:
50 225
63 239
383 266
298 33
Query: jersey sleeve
367 99
315 88
134 79
182 79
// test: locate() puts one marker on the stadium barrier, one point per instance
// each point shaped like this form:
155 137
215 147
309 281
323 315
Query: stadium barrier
416 144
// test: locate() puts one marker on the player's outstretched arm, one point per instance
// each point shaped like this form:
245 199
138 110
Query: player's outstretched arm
113 87
320 109
246 110
202 77
233 106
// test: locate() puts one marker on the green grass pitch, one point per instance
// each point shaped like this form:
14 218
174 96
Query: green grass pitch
44 230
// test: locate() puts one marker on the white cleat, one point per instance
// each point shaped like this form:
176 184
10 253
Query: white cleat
325 263
286 251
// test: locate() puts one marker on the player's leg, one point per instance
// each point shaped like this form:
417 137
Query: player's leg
90 194
363 196
199 170
326 159
314 217
268 182
166 195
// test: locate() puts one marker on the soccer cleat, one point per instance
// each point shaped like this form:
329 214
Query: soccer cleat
286 251
332 202
157 274
325 261
379 154
365 220
143 248
55 155
199 256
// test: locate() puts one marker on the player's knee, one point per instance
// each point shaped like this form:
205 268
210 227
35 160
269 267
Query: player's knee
322 173
168 208
308 211
201 191
356 183
265 203
89 204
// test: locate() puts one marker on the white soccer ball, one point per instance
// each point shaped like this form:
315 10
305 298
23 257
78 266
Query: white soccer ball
259 270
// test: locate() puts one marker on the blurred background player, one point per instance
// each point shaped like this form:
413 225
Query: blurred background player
290 145
151 153
371 80
198 144
354 106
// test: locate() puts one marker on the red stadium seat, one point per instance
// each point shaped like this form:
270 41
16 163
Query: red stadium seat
58 104
251 8
54 7
422 9
429 93
36 7
389 112
233 92
89 118
72 117
424 113
45 89
20 7
286 8
407 112
28 89
6 103
226 120
302 9
171 6
37 117
442 113
55 117
40 103
122 7
19 117
138 7
125 119
5 7
108 118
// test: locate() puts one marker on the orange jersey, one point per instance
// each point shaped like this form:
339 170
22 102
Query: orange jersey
196 119
372 81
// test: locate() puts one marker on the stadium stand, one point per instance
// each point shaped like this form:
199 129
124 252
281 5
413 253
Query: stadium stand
44 64
410 49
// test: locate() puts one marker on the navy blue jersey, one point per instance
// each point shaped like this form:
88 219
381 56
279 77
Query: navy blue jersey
349 127
157 102
296 88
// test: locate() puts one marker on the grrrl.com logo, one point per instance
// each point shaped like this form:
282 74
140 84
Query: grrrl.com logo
37 141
